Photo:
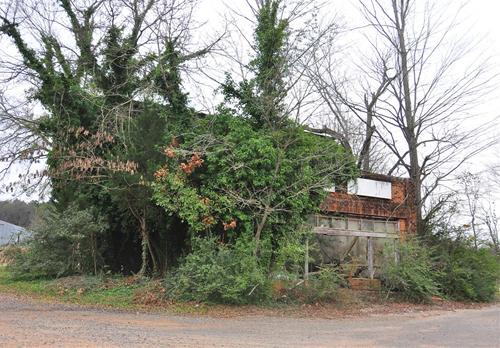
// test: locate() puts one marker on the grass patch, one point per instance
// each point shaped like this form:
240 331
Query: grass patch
134 294
24 287
131 293
116 292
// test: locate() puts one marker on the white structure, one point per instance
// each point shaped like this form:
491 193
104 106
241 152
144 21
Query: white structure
11 234
370 188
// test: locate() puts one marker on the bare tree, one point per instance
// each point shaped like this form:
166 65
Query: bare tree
494 173
430 94
350 114
476 197
491 221
471 185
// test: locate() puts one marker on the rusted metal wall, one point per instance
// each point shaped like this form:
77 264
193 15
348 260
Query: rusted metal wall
352 252
400 207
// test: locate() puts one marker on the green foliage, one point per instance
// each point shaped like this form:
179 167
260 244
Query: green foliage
248 177
465 273
62 244
169 82
112 291
290 254
243 171
471 275
107 109
217 272
262 98
442 266
412 276
320 287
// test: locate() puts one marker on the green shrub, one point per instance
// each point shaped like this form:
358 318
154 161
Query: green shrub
320 287
412 275
289 254
221 273
467 273
62 243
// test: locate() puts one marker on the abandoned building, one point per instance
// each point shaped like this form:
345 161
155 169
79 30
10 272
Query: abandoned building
357 221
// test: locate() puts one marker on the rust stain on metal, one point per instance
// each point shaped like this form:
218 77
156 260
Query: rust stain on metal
399 207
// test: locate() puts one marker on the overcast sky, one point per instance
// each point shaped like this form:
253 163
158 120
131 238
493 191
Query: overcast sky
479 19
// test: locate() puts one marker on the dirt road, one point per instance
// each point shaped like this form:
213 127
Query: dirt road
31 323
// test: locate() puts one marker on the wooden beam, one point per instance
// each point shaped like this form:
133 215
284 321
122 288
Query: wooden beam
353 243
347 233
370 257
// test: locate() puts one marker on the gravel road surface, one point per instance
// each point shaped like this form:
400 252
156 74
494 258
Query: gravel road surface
30 323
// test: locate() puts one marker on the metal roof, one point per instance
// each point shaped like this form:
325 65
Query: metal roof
10 233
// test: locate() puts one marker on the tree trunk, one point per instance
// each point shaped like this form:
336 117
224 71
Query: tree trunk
260 227
364 155
145 247
409 130
474 230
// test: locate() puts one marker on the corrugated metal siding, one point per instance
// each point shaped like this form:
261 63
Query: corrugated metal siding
10 233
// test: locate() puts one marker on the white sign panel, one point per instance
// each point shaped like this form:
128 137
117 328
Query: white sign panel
370 188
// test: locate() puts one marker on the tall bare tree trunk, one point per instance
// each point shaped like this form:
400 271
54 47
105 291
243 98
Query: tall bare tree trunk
364 155
409 131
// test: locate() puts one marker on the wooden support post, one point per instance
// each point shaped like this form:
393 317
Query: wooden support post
370 257
306 260
395 251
